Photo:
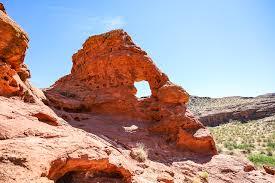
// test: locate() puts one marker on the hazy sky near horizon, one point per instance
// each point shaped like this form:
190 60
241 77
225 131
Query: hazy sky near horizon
211 48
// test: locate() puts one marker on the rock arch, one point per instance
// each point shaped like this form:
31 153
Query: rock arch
102 82
114 60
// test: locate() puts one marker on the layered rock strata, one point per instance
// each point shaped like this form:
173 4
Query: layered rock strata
216 111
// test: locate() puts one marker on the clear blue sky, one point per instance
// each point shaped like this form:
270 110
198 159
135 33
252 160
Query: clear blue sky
211 48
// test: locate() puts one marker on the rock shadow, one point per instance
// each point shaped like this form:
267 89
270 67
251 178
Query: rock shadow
126 134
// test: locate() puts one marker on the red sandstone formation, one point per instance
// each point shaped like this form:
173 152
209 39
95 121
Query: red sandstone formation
36 146
14 73
102 82
2 8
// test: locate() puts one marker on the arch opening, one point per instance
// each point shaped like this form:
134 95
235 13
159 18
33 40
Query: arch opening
143 89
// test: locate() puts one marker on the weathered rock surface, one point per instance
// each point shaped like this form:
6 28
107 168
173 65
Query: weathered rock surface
14 73
102 82
39 147
38 152
2 8
270 170
215 111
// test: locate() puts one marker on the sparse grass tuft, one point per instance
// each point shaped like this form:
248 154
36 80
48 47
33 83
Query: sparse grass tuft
271 145
201 177
139 153
204 175
229 145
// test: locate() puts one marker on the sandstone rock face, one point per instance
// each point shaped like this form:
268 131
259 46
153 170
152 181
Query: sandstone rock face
14 42
215 111
2 8
14 73
102 82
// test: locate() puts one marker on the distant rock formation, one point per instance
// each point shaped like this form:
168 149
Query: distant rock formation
216 111
102 82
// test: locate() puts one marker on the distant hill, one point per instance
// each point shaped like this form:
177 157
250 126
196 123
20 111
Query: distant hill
215 111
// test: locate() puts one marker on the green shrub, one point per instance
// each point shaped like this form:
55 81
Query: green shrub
231 146
271 145
261 159
253 137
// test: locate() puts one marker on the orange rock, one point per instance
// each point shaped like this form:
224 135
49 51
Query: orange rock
14 73
9 85
102 81
2 8
13 42
170 93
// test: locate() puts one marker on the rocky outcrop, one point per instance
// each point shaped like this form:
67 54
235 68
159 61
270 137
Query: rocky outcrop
102 82
2 8
14 73
215 111
103 75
